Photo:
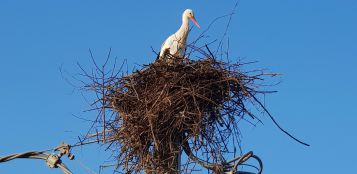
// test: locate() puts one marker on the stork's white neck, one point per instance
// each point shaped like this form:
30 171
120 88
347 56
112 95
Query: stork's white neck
182 32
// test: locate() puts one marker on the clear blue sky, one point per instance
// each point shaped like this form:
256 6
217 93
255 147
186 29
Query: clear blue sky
313 43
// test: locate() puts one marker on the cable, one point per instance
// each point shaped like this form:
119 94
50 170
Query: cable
52 160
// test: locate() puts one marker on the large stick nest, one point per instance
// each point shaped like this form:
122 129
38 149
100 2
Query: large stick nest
190 105
163 107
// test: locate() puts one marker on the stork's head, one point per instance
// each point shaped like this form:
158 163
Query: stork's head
188 13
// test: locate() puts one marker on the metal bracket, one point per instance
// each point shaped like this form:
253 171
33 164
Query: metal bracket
53 160
64 149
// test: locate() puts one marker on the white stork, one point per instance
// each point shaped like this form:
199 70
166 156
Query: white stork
176 43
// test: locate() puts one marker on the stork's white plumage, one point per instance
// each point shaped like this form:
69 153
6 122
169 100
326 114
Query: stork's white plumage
176 43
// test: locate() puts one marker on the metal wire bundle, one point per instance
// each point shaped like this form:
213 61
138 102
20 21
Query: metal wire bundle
52 160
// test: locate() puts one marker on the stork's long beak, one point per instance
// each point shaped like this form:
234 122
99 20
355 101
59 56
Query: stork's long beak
195 22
